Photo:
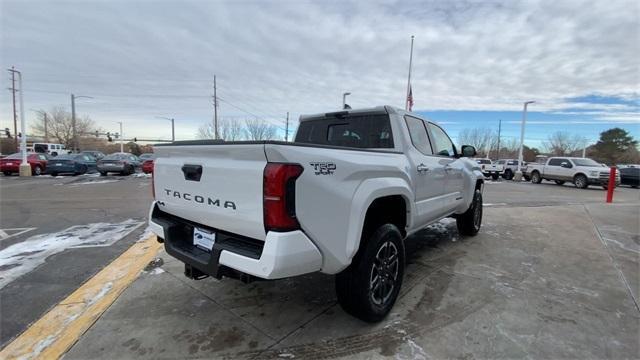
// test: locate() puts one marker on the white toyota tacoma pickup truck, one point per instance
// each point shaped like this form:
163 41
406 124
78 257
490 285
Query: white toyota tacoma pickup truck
339 200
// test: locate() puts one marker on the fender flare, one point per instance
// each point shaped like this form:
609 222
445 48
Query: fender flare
366 193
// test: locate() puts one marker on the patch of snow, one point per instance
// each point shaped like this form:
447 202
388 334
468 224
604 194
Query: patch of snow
43 344
105 289
94 182
145 234
287 355
496 204
23 257
155 271
141 175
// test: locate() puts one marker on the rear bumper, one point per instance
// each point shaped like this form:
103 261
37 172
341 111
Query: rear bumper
280 255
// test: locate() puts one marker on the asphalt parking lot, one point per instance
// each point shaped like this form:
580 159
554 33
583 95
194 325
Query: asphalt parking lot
554 273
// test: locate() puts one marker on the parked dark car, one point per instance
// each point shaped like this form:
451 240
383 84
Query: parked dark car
75 164
630 176
122 163
94 153
11 163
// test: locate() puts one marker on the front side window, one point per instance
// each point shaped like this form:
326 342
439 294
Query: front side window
442 145
418 134
555 162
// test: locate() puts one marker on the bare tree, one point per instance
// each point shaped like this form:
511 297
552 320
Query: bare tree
484 140
561 143
228 129
257 129
60 127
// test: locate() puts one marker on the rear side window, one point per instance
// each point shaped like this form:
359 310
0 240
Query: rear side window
357 131
418 134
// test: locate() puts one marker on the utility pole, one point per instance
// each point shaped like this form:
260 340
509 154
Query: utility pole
173 129
499 129
286 130
15 115
215 109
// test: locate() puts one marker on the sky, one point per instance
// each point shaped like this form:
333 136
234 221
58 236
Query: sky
474 62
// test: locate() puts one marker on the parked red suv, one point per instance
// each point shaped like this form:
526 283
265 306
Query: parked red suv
11 163
147 166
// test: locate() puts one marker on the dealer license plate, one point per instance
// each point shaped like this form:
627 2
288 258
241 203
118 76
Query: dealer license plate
203 239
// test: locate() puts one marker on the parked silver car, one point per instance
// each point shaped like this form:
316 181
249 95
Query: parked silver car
122 163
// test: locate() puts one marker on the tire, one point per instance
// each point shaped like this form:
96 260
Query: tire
102 173
54 174
495 176
380 257
132 170
580 181
37 171
7 173
559 182
536 178
526 178
605 187
84 170
470 222
508 174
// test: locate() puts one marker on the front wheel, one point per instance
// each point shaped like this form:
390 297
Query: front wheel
508 174
369 287
495 176
7 173
580 181
469 223
536 178
37 171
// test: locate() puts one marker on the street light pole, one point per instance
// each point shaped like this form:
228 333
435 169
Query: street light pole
121 137
173 129
518 174
73 119
25 168
344 99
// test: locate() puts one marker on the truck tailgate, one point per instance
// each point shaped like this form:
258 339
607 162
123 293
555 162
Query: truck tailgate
219 186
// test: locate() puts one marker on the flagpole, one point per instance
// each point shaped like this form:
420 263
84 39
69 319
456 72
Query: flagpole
406 99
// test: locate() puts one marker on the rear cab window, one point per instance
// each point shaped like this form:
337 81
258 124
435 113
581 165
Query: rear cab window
364 131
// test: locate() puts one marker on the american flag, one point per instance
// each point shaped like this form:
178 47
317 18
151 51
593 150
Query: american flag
410 98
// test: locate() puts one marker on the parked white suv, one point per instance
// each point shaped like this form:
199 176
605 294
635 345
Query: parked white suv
339 200
582 172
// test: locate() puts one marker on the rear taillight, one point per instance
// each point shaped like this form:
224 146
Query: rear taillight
279 196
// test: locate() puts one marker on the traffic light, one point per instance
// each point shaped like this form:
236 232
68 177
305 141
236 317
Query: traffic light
7 132
109 139
135 139
97 133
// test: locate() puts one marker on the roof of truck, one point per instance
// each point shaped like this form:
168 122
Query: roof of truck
382 109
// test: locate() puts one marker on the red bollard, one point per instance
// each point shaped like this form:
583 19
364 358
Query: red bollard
611 184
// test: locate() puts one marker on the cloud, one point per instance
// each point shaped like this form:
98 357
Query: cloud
142 59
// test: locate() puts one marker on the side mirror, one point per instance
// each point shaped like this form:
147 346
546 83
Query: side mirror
468 151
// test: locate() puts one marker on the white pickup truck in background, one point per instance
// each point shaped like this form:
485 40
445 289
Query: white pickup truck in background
339 200
582 172
490 169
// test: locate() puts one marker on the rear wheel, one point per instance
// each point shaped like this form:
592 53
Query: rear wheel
508 174
580 181
469 223
559 182
495 176
536 178
84 169
369 287
132 170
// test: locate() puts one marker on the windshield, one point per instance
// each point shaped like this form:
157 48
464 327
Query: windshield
14 156
585 162
65 157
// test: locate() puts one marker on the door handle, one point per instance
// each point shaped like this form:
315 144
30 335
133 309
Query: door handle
422 168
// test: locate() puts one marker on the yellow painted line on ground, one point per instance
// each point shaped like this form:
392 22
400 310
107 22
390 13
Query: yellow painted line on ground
55 332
